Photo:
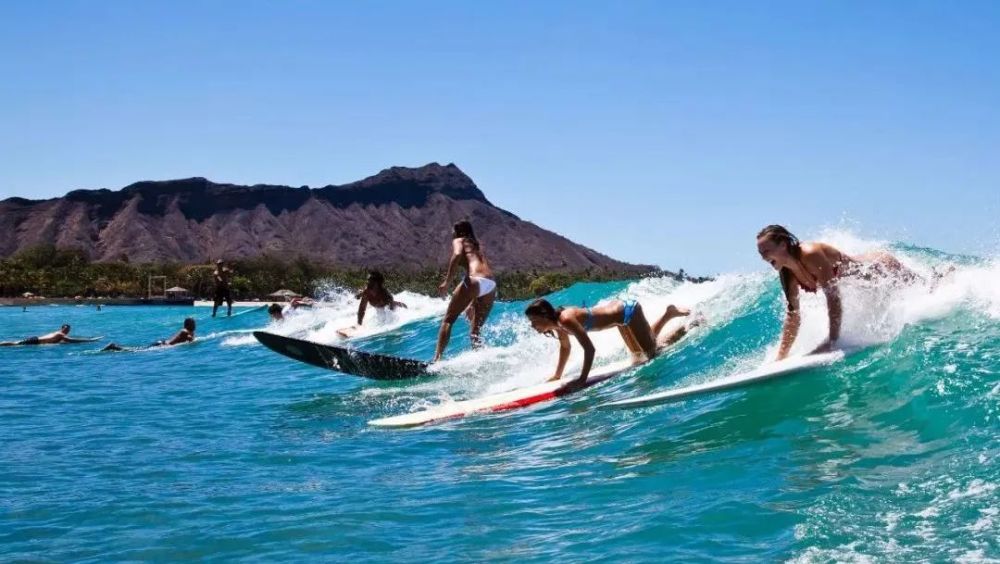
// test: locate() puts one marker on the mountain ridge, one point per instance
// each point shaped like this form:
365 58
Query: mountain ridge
399 218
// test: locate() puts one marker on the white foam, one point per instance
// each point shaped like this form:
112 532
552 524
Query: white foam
338 309
876 312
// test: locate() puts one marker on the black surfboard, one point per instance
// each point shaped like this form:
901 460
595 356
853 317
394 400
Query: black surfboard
348 361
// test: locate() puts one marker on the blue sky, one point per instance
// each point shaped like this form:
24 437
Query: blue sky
657 132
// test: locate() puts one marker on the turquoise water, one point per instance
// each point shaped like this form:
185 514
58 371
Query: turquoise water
223 449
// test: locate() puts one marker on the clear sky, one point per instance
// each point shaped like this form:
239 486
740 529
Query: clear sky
658 132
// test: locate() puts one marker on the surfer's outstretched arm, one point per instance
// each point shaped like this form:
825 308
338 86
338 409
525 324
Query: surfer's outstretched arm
564 348
577 330
362 307
790 329
456 254
836 312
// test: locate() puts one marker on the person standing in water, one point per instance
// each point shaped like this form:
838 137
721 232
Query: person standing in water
375 294
185 335
476 292
223 292
640 339
812 266
55 338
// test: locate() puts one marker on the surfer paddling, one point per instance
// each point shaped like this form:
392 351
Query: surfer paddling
223 291
60 337
185 335
374 294
641 340
811 266
474 294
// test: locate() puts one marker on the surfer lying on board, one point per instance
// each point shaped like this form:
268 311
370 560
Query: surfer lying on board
185 335
475 293
641 340
374 294
812 266
55 338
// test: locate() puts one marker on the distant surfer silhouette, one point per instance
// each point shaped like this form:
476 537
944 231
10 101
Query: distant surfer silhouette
223 291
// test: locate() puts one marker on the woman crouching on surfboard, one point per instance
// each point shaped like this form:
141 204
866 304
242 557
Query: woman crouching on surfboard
475 293
815 265
640 339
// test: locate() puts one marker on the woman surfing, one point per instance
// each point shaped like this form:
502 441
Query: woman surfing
811 266
474 294
641 340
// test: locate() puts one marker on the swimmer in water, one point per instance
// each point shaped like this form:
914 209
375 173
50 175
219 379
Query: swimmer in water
60 337
185 335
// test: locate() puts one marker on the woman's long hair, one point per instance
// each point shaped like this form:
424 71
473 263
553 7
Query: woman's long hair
542 308
779 234
463 230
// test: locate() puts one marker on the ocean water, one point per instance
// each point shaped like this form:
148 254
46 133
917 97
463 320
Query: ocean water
224 450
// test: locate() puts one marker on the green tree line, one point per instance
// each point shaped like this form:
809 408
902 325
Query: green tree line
52 272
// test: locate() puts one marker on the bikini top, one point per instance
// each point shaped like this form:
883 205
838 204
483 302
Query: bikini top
815 287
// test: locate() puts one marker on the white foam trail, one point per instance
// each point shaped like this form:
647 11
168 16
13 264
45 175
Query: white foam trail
530 357
338 310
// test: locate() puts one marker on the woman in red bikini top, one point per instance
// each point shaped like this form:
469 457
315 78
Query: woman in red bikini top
812 266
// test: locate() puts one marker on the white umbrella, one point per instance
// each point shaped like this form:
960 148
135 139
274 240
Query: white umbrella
284 294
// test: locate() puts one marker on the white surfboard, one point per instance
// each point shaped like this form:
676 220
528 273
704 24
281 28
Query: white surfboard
765 372
504 401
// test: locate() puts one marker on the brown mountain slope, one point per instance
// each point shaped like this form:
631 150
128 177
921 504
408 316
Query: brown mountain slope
400 219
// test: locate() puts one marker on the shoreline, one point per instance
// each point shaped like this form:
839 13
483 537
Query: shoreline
24 302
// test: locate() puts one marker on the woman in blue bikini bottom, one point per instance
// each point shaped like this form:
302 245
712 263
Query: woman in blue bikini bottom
642 340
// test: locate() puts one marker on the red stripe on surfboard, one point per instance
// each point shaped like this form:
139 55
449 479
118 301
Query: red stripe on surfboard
524 402
558 392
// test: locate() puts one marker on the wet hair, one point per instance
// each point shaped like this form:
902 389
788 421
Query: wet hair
65 326
274 309
780 234
542 308
376 277
463 230
189 324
